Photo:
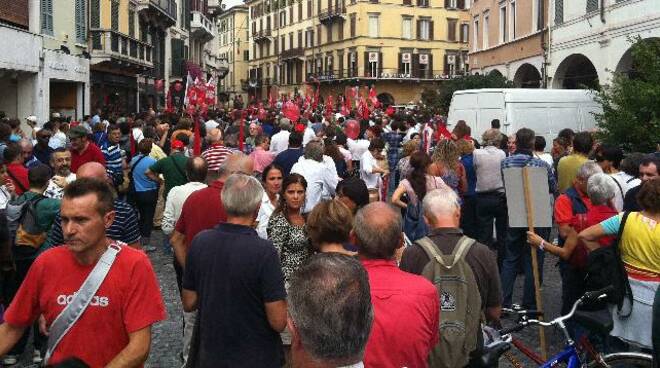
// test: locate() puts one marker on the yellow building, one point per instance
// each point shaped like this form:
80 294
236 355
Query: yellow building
127 42
399 46
233 48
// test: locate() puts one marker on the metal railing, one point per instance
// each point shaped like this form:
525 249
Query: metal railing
332 12
112 44
382 74
293 53
167 7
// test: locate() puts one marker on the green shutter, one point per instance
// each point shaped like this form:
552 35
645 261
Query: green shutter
81 25
46 7
95 14
114 20
131 23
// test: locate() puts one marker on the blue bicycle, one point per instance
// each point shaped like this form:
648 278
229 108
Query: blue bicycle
574 355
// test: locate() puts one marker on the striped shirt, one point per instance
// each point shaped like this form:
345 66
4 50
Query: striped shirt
113 158
215 155
124 228
522 159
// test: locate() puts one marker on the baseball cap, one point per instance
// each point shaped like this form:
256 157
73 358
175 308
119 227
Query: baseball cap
177 144
77 132
355 189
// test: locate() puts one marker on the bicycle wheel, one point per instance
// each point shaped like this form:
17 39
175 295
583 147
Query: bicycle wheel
625 360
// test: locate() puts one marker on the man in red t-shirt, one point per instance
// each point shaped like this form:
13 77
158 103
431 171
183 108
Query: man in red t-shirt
16 171
115 329
406 306
82 150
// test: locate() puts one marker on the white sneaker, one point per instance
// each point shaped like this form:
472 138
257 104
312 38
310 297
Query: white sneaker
36 357
10 360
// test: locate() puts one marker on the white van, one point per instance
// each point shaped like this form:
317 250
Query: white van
545 111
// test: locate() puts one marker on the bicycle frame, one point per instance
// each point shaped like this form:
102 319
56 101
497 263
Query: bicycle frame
569 355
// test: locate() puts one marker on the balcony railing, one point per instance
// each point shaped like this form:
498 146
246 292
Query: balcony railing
296 52
164 10
332 14
251 84
108 45
262 35
201 27
384 74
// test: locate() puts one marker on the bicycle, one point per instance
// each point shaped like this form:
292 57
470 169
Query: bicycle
574 355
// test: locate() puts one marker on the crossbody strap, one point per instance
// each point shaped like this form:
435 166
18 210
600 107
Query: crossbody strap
72 312
135 165
18 182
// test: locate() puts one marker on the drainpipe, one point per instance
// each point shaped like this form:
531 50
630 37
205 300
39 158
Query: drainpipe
545 46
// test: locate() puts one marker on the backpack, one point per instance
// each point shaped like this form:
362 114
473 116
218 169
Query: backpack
23 227
460 303
413 221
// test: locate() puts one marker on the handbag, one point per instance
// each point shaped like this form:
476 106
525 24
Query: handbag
605 268
70 315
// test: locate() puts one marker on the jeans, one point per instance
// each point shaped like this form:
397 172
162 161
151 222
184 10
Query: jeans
146 206
491 206
518 253
469 216
40 341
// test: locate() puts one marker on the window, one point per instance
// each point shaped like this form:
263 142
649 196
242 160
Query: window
373 62
538 14
407 2
559 12
352 25
373 25
592 5
291 40
291 14
283 19
406 28
424 29
423 3
340 31
451 29
329 33
95 16
450 4
282 43
114 15
503 25
276 46
309 8
81 29
475 39
300 10
465 32
319 40
300 39
486 35
405 66
513 19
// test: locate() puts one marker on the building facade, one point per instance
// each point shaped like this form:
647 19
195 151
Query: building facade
398 46
591 39
233 47
20 72
509 37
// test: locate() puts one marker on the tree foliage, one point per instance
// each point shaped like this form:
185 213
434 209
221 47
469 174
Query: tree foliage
438 100
631 104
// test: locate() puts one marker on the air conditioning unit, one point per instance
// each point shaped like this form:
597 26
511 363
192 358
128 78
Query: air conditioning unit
451 59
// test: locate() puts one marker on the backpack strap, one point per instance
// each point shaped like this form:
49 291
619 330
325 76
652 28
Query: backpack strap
460 250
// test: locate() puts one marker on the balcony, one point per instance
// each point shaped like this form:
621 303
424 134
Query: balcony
214 62
262 35
332 14
294 53
201 27
163 11
115 47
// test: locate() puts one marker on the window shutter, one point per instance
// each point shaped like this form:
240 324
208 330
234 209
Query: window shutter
300 10
460 4
447 4
366 64
430 30
340 31
114 21
400 64
407 2
419 30
95 13
277 21
415 65
380 64
445 67
419 2
340 68
429 67
131 23
592 5
559 12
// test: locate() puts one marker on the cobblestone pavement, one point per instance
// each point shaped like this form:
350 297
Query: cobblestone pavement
166 345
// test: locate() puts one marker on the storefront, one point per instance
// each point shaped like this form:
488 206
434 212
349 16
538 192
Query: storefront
113 93
65 85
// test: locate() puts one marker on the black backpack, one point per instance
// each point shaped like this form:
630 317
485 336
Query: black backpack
605 268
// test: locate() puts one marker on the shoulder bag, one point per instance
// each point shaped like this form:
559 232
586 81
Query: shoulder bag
70 315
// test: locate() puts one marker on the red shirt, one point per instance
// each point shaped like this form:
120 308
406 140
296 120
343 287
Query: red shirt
595 215
564 209
128 300
202 210
406 317
90 154
20 172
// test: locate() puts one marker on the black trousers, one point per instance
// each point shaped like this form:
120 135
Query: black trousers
469 216
491 206
146 206
40 341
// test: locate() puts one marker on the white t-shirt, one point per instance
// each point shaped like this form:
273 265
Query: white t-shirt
265 211
280 141
357 147
308 136
138 136
367 164
210 124
58 140
624 183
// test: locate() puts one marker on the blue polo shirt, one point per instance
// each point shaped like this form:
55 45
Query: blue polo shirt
287 158
141 181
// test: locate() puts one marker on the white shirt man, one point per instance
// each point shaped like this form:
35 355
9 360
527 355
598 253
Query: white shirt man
279 141
211 124
357 147
367 164
174 204
321 181
308 135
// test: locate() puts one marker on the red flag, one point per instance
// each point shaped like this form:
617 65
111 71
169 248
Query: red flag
329 108
372 97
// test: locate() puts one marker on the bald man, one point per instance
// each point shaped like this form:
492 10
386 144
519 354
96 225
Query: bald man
215 154
124 228
395 294
202 210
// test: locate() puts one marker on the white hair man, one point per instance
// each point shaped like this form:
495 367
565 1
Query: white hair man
442 212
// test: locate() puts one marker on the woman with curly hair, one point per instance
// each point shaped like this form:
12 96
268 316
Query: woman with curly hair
447 165
415 186
403 166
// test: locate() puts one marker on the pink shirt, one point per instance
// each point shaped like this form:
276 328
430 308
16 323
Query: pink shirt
261 159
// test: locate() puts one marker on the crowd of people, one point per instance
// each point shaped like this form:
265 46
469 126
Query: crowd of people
314 241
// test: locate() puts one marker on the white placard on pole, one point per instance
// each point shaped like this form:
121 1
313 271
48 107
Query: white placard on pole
515 197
